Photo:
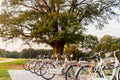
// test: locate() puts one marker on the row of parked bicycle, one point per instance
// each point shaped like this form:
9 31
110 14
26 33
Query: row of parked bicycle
96 68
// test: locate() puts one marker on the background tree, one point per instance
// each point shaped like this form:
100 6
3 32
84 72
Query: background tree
114 46
74 50
98 47
28 53
2 53
108 39
46 52
55 22
89 42
13 54
117 40
108 43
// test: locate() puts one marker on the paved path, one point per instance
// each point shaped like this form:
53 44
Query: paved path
26 75
8 60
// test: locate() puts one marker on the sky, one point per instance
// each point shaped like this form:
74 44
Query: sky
17 45
113 29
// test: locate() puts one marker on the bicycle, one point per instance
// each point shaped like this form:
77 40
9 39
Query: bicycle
89 72
70 71
32 64
26 64
72 68
49 70
38 65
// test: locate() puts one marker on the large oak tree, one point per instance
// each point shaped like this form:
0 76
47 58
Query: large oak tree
55 22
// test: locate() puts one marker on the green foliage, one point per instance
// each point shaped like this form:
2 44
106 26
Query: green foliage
14 62
7 54
25 53
108 43
107 39
74 50
31 53
98 47
117 40
115 46
2 53
52 19
4 75
28 53
55 22
13 54
44 52
14 2
89 42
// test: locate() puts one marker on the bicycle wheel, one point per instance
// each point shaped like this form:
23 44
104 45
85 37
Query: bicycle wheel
44 71
118 77
83 73
31 66
26 64
37 68
70 72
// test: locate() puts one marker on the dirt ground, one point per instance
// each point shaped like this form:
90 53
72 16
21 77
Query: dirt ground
16 66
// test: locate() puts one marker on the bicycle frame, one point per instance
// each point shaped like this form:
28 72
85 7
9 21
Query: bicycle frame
100 68
58 70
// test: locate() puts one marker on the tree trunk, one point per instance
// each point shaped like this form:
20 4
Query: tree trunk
58 49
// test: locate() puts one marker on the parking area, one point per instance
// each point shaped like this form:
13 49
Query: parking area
26 75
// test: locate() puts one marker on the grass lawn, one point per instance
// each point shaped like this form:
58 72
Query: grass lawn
16 64
4 75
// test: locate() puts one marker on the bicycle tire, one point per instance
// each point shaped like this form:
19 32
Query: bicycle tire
26 64
44 71
83 73
70 72
118 77
37 68
31 66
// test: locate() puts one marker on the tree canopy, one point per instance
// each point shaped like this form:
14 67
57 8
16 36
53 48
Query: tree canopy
108 43
55 22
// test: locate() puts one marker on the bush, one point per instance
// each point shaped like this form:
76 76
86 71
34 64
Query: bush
31 53
13 54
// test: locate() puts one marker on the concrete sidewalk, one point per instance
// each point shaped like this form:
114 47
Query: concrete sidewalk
26 75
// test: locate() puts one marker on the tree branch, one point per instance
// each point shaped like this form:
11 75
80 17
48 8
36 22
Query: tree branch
39 6
80 3
31 8
46 5
58 6
73 5
105 7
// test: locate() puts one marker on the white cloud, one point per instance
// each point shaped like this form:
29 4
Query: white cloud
113 29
